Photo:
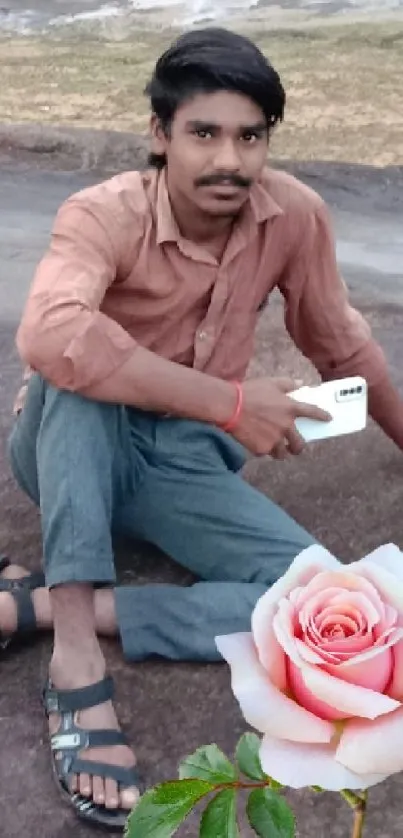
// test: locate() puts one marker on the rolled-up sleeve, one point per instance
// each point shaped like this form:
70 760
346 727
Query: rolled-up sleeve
319 318
63 334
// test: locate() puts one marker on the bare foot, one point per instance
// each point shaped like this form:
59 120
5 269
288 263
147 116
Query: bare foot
8 607
101 791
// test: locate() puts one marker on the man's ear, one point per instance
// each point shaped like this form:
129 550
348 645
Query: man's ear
159 138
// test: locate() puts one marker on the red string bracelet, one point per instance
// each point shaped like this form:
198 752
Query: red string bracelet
232 422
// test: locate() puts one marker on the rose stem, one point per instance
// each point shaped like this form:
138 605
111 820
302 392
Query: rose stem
359 809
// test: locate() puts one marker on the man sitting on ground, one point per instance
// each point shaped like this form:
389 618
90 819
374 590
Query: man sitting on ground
139 329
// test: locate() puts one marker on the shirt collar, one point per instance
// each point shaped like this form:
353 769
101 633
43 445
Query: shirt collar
263 204
260 207
167 228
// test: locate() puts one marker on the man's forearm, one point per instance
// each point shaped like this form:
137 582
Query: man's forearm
152 383
386 408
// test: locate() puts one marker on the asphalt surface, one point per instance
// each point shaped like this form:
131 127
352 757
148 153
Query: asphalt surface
347 492
369 239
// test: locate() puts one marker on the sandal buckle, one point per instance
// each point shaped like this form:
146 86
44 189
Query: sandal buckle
52 703
67 741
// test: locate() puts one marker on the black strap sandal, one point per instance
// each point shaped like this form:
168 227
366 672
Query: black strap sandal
21 590
71 739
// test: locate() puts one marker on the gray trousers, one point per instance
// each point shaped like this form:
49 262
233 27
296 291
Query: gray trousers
96 468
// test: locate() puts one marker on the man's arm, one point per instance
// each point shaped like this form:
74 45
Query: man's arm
64 336
328 330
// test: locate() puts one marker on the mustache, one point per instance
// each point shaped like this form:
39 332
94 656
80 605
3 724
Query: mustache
227 179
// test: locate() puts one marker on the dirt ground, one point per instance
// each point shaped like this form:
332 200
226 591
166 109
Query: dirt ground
347 492
345 98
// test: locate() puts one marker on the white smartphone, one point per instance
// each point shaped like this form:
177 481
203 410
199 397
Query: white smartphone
347 402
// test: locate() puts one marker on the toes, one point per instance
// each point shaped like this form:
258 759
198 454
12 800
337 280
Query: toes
111 794
129 798
74 786
85 785
105 793
54 723
14 571
98 791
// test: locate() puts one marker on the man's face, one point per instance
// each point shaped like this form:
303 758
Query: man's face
216 150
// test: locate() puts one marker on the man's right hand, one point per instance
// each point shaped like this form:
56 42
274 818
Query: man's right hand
267 421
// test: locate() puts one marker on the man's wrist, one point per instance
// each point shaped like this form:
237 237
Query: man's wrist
223 403
233 420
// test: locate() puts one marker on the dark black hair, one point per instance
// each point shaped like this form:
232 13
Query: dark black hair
208 60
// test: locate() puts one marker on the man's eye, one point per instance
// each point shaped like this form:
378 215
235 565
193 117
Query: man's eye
250 137
203 134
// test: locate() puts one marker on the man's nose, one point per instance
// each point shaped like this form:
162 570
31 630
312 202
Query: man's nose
226 158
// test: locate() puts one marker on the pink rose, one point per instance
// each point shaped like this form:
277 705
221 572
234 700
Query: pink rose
321 673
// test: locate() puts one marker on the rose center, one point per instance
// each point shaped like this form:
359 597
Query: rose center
335 626
337 631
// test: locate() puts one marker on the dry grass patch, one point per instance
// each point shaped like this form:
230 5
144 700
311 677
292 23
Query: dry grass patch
345 96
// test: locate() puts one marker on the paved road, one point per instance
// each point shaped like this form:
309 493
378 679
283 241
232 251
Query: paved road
27 205
370 237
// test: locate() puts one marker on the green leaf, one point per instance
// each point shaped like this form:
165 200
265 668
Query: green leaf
161 810
208 763
269 815
247 756
219 818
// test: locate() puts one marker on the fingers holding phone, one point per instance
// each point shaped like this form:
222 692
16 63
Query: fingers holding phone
267 421
278 417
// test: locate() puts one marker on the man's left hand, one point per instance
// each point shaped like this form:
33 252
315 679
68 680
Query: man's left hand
293 443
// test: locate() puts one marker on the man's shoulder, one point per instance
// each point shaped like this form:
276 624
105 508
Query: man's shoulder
293 196
125 196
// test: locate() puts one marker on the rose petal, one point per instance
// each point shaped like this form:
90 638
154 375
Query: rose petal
297 765
389 557
390 619
308 653
317 601
393 637
263 706
345 580
326 656
371 674
307 699
347 647
304 567
284 632
346 698
348 623
386 582
377 745
358 604
396 685
354 604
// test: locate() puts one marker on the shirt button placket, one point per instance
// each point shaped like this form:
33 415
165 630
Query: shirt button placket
202 347
205 336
